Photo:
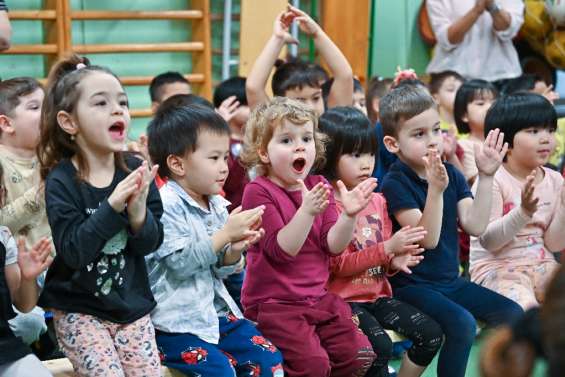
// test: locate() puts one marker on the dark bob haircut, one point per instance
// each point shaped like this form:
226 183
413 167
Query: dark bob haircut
468 92
296 74
234 86
348 131
516 112
175 130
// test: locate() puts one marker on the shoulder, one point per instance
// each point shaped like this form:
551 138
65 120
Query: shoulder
554 177
64 172
170 198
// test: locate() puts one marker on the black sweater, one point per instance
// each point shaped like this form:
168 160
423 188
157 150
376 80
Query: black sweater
99 268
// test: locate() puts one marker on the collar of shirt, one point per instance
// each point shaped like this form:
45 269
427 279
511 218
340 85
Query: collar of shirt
216 202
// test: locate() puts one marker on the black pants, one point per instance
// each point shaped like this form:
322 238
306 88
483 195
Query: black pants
392 314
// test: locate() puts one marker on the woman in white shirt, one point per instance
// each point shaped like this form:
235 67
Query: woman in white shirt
474 37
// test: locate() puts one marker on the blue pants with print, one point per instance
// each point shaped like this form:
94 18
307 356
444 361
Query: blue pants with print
455 308
241 351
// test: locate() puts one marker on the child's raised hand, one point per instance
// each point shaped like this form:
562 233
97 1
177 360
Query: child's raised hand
314 201
356 200
36 260
489 156
449 145
436 174
282 26
404 262
306 24
529 203
228 108
119 197
405 240
136 203
242 245
242 225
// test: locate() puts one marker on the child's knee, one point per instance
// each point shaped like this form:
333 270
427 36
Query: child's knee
309 366
462 328
431 336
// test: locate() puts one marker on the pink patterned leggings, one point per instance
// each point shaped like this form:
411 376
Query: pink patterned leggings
97 347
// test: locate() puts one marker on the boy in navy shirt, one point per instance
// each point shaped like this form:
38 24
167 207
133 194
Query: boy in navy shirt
421 190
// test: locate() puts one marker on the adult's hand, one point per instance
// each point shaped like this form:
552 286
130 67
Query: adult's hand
5 31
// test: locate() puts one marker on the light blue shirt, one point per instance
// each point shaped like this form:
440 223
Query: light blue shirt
185 272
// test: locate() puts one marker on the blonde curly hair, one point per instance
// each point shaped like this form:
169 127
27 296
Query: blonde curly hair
262 124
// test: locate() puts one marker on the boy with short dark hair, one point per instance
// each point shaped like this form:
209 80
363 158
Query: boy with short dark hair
199 328
166 85
421 190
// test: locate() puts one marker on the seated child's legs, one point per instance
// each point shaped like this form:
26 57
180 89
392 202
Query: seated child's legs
241 351
27 366
456 322
101 348
29 326
542 274
317 339
423 331
380 341
515 285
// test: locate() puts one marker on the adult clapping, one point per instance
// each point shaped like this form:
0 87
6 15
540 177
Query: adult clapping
474 37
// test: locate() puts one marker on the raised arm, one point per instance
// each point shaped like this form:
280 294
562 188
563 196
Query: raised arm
474 214
257 78
341 92
5 30
451 32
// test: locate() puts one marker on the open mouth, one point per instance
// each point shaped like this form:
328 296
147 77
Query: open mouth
117 130
299 164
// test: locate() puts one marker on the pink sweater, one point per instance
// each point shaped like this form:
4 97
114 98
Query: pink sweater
272 274
359 273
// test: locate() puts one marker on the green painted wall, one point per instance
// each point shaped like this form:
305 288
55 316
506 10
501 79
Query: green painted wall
396 40
144 64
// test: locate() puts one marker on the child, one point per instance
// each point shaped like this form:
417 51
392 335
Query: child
443 87
104 214
376 89
472 101
287 272
231 102
358 95
359 274
19 270
299 80
23 210
166 85
420 190
200 329
514 255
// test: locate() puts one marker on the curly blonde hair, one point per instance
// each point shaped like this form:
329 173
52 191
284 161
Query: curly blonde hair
262 123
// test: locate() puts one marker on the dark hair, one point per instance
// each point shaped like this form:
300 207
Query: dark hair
175 130
519 111
523 83
163 79
179 100
377 88
12 90
62 94
401 104
296 74
234 86
348 131
327 87
467 93
437 79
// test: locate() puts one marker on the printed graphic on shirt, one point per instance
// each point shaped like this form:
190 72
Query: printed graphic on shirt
369 233
194 355
109 268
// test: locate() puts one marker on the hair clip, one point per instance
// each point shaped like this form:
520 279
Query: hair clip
80 66
404 74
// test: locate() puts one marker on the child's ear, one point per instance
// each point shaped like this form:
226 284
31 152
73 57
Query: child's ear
67 123
263 156
176 165
6 125
465 118
391 144
154 106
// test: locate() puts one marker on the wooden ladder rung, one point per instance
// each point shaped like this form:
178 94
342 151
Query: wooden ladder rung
141 113
32 15
138 47
31 49
146 80
136 15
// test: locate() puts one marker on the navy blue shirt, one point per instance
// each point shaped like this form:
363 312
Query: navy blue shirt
403 189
